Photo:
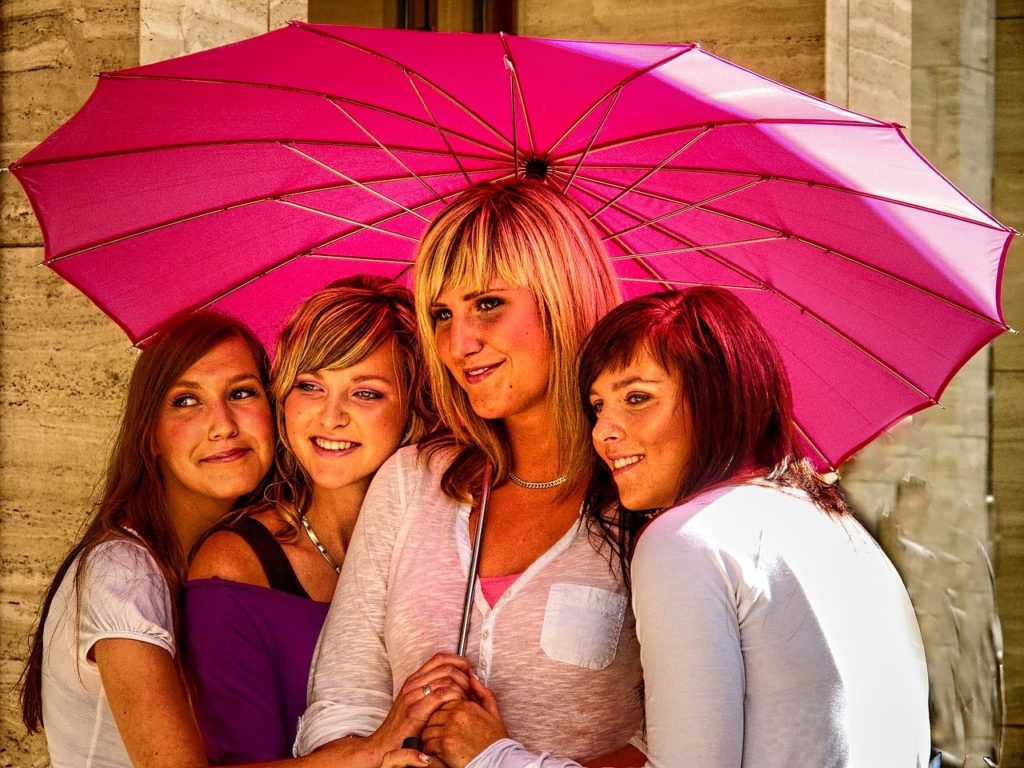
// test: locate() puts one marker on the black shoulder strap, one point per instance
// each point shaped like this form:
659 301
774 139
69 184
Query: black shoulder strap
280 574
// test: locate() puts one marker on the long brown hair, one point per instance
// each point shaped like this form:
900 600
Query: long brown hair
734 384
133 504
337 327
529 236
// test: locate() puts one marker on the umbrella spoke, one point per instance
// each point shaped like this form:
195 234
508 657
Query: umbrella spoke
408 70
651 171
386 151
753 278
784 180
793 236
517 91
692 248
637 138
360 225
689 206
615 89
814 446
85 157
440 131
608 110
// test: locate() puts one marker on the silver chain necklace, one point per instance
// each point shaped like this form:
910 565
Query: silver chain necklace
535 486
316 543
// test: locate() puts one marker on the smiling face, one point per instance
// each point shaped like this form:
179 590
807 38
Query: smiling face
214 434
343 424
494 344
641 431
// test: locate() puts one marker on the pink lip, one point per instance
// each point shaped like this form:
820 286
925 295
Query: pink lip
226 457
484 372
621 470
332 454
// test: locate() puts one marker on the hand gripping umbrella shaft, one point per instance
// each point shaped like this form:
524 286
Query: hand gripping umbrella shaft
474 560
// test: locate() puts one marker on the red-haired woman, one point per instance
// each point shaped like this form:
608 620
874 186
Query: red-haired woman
197 434
773 630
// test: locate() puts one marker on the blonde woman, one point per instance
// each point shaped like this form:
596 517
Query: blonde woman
510 278
348 390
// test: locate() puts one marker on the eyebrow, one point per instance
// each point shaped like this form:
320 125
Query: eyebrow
473 294
233 380
357 380
623 383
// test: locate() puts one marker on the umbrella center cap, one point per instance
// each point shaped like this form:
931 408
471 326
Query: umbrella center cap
536 169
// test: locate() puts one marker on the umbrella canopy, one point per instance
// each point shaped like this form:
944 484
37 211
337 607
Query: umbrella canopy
245 177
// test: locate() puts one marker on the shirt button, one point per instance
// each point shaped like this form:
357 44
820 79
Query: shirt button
485 634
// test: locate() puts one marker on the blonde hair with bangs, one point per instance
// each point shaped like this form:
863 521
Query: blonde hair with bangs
338 327
529 236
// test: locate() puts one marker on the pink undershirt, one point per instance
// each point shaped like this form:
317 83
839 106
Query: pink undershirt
494 587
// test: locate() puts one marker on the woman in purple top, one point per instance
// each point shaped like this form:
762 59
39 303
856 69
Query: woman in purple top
348 390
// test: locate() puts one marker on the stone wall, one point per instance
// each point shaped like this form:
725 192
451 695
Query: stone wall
63 364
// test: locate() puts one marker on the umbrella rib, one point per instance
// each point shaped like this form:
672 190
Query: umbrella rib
362 226
388 152
616 89
799 182
814 446
690 206
852 259
318 94
204 214
672 283
362 186
226 143
517 90
383 57
593 138
692 248
802 309
437 127
625 191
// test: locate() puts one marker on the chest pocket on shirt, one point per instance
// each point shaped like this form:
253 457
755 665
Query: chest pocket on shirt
582 625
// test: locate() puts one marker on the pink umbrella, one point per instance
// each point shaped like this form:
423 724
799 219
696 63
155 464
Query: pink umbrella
245 177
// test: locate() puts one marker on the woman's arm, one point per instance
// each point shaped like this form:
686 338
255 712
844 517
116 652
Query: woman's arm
149 704
686 620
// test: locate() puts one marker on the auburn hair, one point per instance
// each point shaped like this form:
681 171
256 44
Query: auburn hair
133 504
734 384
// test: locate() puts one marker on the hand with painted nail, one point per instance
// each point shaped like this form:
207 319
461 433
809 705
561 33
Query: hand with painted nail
406 758
443 679
462 729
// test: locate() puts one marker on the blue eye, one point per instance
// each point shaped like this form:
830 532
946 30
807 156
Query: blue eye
596 406
184 401
306 386
367 394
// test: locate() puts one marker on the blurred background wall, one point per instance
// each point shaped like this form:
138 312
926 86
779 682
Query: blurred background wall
944 491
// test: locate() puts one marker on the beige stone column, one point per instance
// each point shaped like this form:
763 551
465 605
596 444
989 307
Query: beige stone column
63 364
1008 370
925 486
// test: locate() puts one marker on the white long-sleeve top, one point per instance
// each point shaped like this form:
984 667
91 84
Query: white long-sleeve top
775 635
558 648
772 636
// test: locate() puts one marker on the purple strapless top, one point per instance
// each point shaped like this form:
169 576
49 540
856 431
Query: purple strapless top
248 650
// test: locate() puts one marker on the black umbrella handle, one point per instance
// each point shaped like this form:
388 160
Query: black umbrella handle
474 560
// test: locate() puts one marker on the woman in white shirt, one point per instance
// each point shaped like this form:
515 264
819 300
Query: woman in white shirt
197 434
509 279
773 630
